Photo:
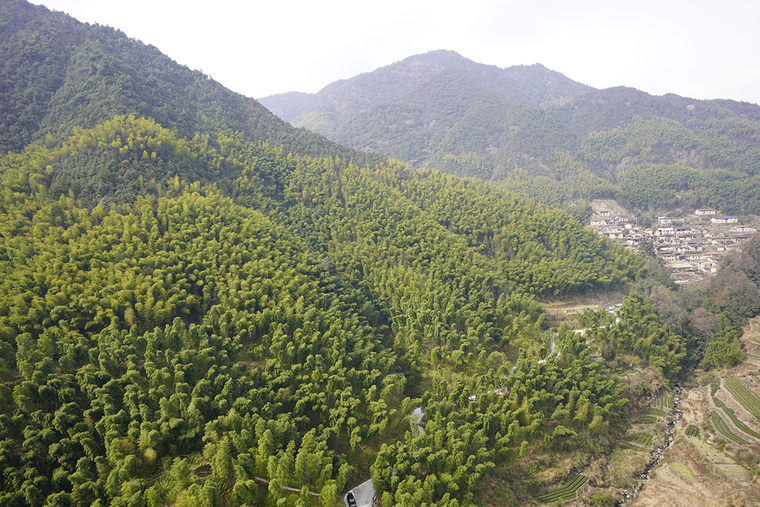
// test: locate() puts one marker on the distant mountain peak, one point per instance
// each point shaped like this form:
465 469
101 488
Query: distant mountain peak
440 109
328 109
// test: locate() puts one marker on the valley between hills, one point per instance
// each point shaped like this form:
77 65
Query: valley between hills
203 304
711 467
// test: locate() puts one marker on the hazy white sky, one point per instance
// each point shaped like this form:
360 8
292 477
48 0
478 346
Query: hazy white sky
695 48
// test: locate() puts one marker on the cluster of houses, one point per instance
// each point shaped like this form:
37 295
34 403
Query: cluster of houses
691 245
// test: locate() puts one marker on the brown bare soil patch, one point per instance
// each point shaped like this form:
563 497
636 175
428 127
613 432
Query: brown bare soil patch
566 310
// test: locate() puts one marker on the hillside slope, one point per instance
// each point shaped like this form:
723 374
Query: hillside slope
58 74
536 131
220 309
202 305
191 342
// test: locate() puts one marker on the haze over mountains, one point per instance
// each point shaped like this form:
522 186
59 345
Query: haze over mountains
537 131
534 85
201 304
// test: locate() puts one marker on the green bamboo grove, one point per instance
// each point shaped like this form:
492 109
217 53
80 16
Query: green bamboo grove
262 339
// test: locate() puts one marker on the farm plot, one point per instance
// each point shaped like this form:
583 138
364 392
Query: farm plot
631 447
692 431
743 395
642 439
723 428
737 422
664 402
566 492
645 419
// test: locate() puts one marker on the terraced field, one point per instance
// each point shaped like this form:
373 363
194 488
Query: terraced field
632 447
664 402
723 428
642 439
732 415
743 395
698 471
565 492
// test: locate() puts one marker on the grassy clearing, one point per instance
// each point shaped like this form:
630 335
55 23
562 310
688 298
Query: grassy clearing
566 492
743 395
722 428
692 431
684 470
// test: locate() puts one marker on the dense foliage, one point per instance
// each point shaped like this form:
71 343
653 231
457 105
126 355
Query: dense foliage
709 315
638 331
539 133
165 342
565 401
58 74
200 305
169 327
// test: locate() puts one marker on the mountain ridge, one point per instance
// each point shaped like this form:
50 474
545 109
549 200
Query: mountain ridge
81 75
405 75
537 131
200 305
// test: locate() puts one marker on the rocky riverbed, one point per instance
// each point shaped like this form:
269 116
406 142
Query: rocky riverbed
658 453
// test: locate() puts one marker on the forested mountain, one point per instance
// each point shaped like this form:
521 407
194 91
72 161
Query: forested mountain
341 101
538 132
279 329
57 74
202 305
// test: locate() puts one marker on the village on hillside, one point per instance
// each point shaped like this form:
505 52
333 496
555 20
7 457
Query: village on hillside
691 245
